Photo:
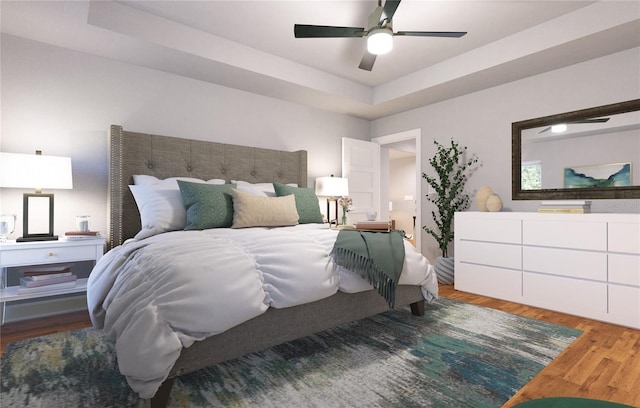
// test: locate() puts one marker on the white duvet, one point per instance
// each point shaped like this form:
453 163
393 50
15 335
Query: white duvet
160 294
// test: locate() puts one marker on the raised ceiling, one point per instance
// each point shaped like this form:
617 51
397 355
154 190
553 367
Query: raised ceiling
249 45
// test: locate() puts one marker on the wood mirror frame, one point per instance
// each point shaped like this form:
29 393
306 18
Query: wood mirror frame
517 193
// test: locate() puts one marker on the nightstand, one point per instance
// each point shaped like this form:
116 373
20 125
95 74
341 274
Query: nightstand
19 254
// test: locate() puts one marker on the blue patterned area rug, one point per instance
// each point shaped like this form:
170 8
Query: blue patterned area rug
457 355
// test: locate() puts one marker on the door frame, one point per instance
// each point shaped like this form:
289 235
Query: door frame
412 134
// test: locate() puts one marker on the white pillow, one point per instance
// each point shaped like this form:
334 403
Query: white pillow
259 189
160 203
161 209
145 180
250 210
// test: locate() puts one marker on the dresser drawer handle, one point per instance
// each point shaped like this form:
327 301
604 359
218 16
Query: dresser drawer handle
51 254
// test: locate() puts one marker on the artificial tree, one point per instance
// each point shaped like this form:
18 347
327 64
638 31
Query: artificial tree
452 172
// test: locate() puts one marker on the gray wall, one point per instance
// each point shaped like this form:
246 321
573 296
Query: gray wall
63 102
482 121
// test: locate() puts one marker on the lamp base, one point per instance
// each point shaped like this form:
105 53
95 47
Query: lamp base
38 238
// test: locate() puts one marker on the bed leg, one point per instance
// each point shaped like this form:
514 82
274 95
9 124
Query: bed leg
161 399
417 308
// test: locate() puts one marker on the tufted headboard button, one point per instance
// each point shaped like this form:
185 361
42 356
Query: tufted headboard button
253 173
189 168
223 170
149 165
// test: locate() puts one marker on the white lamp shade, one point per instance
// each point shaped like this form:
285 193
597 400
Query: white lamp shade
380 41
35 171
332 186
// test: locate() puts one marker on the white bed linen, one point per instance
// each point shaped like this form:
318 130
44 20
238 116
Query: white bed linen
160 294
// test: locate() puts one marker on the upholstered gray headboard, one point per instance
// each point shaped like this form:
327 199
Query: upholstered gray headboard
163 156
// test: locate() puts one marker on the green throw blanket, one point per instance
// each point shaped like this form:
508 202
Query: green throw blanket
376 256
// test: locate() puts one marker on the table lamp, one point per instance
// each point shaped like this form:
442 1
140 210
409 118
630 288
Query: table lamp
38 172
332 188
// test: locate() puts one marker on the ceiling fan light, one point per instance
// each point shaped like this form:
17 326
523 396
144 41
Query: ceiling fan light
379 41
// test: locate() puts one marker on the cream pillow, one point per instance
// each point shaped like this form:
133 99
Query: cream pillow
250 210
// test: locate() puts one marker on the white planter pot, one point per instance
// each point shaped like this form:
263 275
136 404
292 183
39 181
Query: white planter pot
444 270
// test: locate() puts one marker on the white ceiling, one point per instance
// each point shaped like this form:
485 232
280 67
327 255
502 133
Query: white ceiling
249 45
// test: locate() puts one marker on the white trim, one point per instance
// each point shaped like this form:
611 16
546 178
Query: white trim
414 134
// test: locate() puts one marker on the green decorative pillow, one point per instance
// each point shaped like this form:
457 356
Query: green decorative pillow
208 205
306 202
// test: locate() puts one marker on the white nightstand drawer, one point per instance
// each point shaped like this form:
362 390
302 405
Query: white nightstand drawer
34 256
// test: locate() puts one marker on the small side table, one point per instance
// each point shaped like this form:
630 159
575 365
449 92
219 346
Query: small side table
17 254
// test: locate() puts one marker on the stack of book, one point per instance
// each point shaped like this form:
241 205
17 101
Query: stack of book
38 279
565 207
372 225
80 235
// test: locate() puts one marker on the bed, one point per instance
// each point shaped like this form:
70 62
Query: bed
161 157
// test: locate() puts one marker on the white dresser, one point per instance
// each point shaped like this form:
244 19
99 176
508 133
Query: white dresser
582 264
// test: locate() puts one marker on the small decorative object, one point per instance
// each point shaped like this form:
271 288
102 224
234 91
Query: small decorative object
371 216
482 195
452 172
345 203
494 203
82 223
7 226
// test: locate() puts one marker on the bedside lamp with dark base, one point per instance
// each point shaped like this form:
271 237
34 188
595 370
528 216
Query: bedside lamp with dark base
38 172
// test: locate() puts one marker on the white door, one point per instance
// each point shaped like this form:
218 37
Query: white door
361 166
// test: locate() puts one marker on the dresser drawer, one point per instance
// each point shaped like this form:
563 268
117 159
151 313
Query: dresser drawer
624 269
565 234
490 254
573 296
489 230
624 237
624 305
35 256
565 262
488 281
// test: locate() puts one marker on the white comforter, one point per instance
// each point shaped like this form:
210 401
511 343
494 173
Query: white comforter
160 294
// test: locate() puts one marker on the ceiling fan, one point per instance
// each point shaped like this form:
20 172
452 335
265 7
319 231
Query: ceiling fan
379 32
561 127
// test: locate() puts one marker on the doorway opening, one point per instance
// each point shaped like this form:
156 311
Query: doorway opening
400 179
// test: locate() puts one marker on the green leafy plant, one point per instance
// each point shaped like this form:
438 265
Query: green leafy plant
452 172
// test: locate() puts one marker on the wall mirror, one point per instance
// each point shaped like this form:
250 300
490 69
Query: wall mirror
586 154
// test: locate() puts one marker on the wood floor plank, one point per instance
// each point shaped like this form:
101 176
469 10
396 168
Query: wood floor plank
603 363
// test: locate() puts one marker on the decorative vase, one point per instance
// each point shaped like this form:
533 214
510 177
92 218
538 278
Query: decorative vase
344 218
444 270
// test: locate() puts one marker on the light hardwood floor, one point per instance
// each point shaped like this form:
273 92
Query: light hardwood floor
603 363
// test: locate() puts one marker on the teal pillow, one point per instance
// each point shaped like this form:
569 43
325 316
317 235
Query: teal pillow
306 202
208 205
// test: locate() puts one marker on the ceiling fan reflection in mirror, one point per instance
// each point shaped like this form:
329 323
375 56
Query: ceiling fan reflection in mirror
561 127
379 32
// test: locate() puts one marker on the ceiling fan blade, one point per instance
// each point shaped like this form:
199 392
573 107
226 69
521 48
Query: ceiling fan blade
453 34
389 9
598 120
316 31
367 61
